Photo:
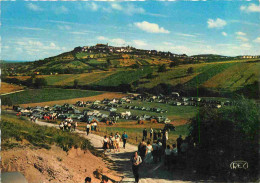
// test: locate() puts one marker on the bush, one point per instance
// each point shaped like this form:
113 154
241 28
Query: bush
7 101
40 82
162 68
226 135
190 70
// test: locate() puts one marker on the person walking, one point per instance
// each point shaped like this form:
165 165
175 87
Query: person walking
112 142
142 149
148 157
105 143
95 126
167 160
124 138
151 133
144 134
61 126
117 141
136 161
154 135
88 128
160 134
179 142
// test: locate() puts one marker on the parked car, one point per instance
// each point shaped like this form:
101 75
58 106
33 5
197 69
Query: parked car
169 127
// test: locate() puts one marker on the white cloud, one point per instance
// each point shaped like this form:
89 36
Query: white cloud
245 46
167 43
82 32
118 41
218 23
64 27
250 8
61 10
186 35
139 43
180 49
94 6
116 6
257 40
34 7
240 33
224 33
35 43
114 41
242 38
101 38
29 28
150 27
130 9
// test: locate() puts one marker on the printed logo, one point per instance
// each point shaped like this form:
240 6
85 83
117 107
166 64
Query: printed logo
240 164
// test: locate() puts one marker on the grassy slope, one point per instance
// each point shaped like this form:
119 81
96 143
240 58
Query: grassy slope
84 79
219 75
123 77
236 76
43 95
16 129
207 74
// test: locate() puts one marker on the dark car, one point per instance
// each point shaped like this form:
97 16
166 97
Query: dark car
169 127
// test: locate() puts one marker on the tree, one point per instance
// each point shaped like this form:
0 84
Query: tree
225 135
40 82
149 76
108 61
7 101
76 82
190 70
135 66
162 68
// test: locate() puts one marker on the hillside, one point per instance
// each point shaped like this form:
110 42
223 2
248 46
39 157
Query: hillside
47 154
104 67
96 58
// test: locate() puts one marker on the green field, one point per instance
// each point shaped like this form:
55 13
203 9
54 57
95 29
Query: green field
48 94
124 77
219 75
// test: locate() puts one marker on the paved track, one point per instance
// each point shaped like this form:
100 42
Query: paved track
122 160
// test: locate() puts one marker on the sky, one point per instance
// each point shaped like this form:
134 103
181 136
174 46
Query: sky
33 30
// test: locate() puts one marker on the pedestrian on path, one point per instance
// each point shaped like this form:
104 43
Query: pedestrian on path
117 142
144 134
124 137
151 133
136 161
88 128
105 143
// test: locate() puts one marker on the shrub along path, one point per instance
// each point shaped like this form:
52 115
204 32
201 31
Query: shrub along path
148 174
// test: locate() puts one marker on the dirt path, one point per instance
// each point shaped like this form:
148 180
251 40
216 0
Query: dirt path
122 162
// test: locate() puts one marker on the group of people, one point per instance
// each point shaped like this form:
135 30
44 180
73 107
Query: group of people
33 118
68 124
113 142
91 127
174 156
161 134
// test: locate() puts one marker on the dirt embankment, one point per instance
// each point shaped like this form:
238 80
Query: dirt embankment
108 95
55 165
